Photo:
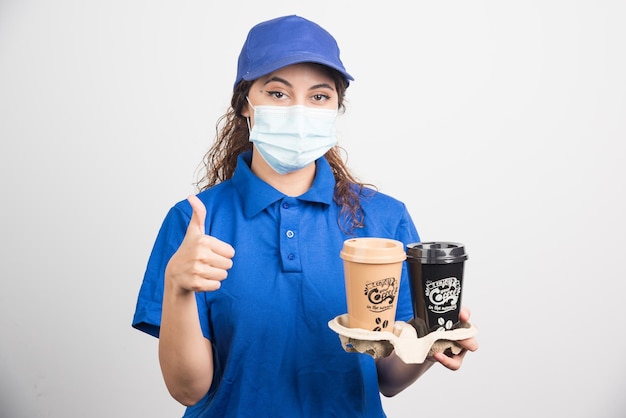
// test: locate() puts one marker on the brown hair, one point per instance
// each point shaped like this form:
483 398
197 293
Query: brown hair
232 139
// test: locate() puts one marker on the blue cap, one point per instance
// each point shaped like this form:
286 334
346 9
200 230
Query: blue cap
284 41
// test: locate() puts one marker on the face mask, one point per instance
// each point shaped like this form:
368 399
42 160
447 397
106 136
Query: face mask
291 137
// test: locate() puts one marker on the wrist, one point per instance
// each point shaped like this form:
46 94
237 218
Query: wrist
173 289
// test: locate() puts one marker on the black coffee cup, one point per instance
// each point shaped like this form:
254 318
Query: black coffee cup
436 282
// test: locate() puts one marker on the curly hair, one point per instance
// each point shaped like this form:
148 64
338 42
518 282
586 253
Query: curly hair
232 138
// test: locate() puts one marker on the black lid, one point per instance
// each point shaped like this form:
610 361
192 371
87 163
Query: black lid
436 252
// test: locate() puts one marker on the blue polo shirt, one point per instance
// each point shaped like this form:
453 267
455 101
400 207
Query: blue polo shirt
274 354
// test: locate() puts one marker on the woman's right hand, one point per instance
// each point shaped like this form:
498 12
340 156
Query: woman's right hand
199 265
202 261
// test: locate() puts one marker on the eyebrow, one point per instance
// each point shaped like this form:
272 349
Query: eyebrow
321 86
280 80
288 84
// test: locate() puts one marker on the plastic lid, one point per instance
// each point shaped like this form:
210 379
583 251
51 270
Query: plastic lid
436 252
373 250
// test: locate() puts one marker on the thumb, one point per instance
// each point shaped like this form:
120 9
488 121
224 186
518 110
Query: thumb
198 215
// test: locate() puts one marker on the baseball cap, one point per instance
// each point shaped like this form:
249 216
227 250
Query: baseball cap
283 41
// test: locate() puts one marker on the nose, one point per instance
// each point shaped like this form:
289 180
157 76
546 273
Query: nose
300 100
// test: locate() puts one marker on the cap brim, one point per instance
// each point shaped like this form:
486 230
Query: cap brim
294 59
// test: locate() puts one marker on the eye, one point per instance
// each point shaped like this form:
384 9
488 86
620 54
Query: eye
320 97
276 94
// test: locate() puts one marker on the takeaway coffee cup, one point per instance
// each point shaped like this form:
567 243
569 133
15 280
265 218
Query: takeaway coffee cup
372 271
436 281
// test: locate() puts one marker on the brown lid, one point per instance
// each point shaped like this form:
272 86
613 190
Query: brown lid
373 250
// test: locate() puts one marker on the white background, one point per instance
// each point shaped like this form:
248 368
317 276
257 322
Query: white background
500 124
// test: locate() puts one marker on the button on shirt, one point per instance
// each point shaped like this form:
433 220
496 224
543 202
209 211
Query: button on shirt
274 354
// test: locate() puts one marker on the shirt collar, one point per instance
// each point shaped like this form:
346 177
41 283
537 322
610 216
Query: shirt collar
256 194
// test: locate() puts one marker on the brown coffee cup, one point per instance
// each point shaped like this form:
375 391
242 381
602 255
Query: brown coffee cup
372 272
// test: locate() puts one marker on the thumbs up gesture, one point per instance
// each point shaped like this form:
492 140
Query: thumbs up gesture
202 261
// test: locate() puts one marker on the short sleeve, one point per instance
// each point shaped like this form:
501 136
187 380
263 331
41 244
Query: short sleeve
147 317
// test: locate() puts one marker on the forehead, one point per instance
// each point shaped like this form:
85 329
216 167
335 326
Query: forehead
300 73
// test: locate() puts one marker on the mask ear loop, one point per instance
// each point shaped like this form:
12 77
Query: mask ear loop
247 117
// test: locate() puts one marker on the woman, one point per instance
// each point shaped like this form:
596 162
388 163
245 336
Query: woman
244 277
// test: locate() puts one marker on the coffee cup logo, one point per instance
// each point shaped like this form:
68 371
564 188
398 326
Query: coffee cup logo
443 294
381 294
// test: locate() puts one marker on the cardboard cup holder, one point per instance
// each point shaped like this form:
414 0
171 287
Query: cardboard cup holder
403 339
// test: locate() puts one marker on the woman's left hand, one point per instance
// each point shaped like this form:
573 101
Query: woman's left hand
453 362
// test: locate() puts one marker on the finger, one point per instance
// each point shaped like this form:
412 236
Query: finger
452 362
206 271
205 285
222 248
198 215
470 344
464 314
214 253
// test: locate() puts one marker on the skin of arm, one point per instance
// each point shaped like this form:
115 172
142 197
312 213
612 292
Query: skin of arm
394 375
199 265
184 354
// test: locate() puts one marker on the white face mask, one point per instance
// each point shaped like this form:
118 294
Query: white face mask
291 137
